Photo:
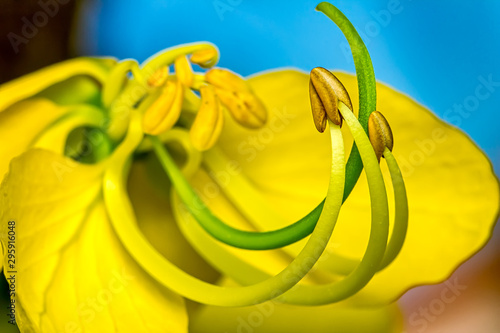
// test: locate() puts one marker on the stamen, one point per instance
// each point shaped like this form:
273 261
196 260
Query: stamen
165 110
208 123
380 133
351 284
237 96
184 71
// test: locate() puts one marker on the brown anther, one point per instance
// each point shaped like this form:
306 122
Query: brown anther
159 77
326 91
380 133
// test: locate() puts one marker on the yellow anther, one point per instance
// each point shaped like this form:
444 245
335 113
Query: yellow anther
380 133
165 111
227 80
245 108
184 71
326 91
237 96
205 58
159 77
209 121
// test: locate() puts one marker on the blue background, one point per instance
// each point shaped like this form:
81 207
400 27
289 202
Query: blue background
435 51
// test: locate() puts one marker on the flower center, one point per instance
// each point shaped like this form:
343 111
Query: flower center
164 102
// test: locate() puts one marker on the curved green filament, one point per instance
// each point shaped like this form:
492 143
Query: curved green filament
367 86
220 230
245 273
401 212
340 265
211 250
354 282
123 220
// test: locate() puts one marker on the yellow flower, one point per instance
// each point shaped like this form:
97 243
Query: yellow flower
101 231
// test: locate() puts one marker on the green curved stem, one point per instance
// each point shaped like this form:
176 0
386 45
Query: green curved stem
367 86
223 232
123 221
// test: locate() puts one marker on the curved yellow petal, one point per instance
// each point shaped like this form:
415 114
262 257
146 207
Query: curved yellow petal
24 124
29 85
148 189
273 317
452 191
73 273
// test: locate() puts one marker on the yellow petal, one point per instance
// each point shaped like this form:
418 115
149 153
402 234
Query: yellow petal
274 317
73 272
29 85
452 191
36 117
148 189
208 122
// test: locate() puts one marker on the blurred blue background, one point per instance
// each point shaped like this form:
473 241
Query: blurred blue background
438 52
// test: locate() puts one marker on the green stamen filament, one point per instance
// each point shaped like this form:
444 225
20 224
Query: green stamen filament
375 256
351 284
340 265
401 211
220 230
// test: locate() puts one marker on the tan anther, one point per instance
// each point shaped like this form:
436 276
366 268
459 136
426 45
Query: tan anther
380 133
326 91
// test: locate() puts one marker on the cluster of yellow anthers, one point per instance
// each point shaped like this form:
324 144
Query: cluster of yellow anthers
219 88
